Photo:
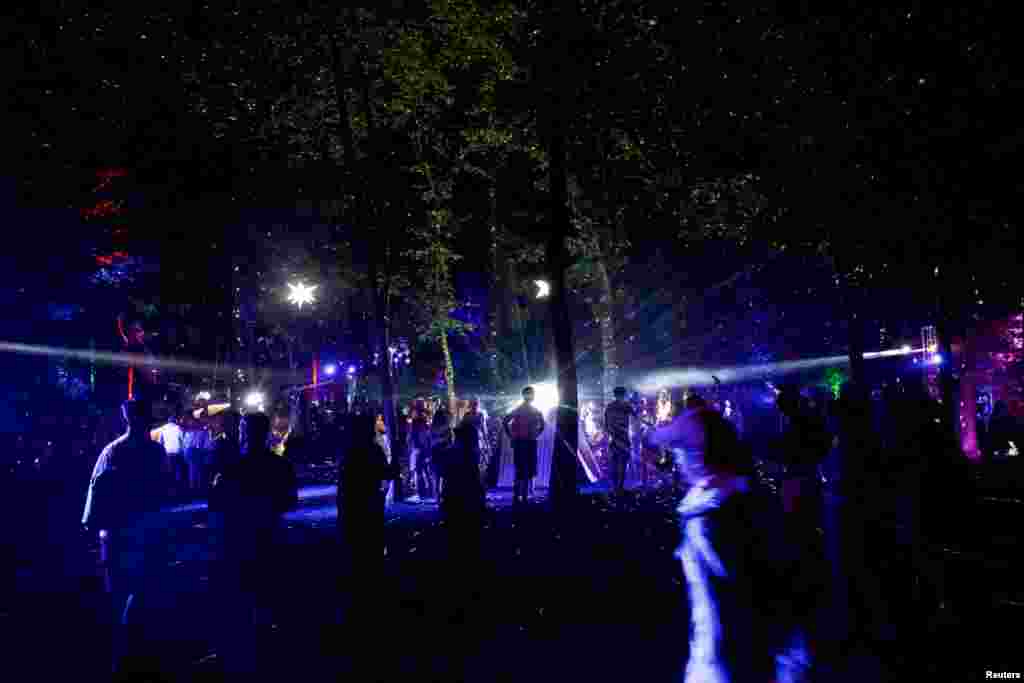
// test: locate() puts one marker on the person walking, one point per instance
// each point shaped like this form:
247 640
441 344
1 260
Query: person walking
126 492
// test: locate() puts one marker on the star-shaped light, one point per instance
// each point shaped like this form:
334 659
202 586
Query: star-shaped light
301 294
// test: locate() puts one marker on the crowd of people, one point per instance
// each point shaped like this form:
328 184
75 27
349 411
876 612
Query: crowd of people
773 538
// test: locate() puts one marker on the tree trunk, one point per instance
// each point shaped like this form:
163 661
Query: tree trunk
380 298
387 378
449 373
493 313
606 314
563 471
607 308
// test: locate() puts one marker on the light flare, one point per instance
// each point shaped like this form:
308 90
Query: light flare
301 294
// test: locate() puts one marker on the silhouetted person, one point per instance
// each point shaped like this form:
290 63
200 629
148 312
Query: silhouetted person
524 426
382 439
127 489
463 503
419 456
226 449
463 508
363 477
198 445
852 481
805 443
617 418
936 478
476 417
441 439
249 497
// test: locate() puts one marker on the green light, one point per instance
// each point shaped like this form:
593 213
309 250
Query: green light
834 379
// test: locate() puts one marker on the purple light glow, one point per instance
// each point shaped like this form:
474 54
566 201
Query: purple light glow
329 370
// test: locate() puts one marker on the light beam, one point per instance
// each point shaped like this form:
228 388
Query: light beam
696 377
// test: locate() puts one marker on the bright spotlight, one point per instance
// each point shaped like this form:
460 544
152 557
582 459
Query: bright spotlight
329 370
937 359
545 397
905 348
301 294
254 399
543 288
203 396
351 369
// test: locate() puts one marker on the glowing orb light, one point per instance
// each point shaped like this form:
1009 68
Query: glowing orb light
254 399
545 397
351 369
543 288
203 396
330 369
937 359
301 294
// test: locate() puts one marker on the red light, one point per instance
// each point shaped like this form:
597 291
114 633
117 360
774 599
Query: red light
105 207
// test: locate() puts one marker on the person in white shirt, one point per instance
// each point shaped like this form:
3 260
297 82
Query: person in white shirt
172 439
